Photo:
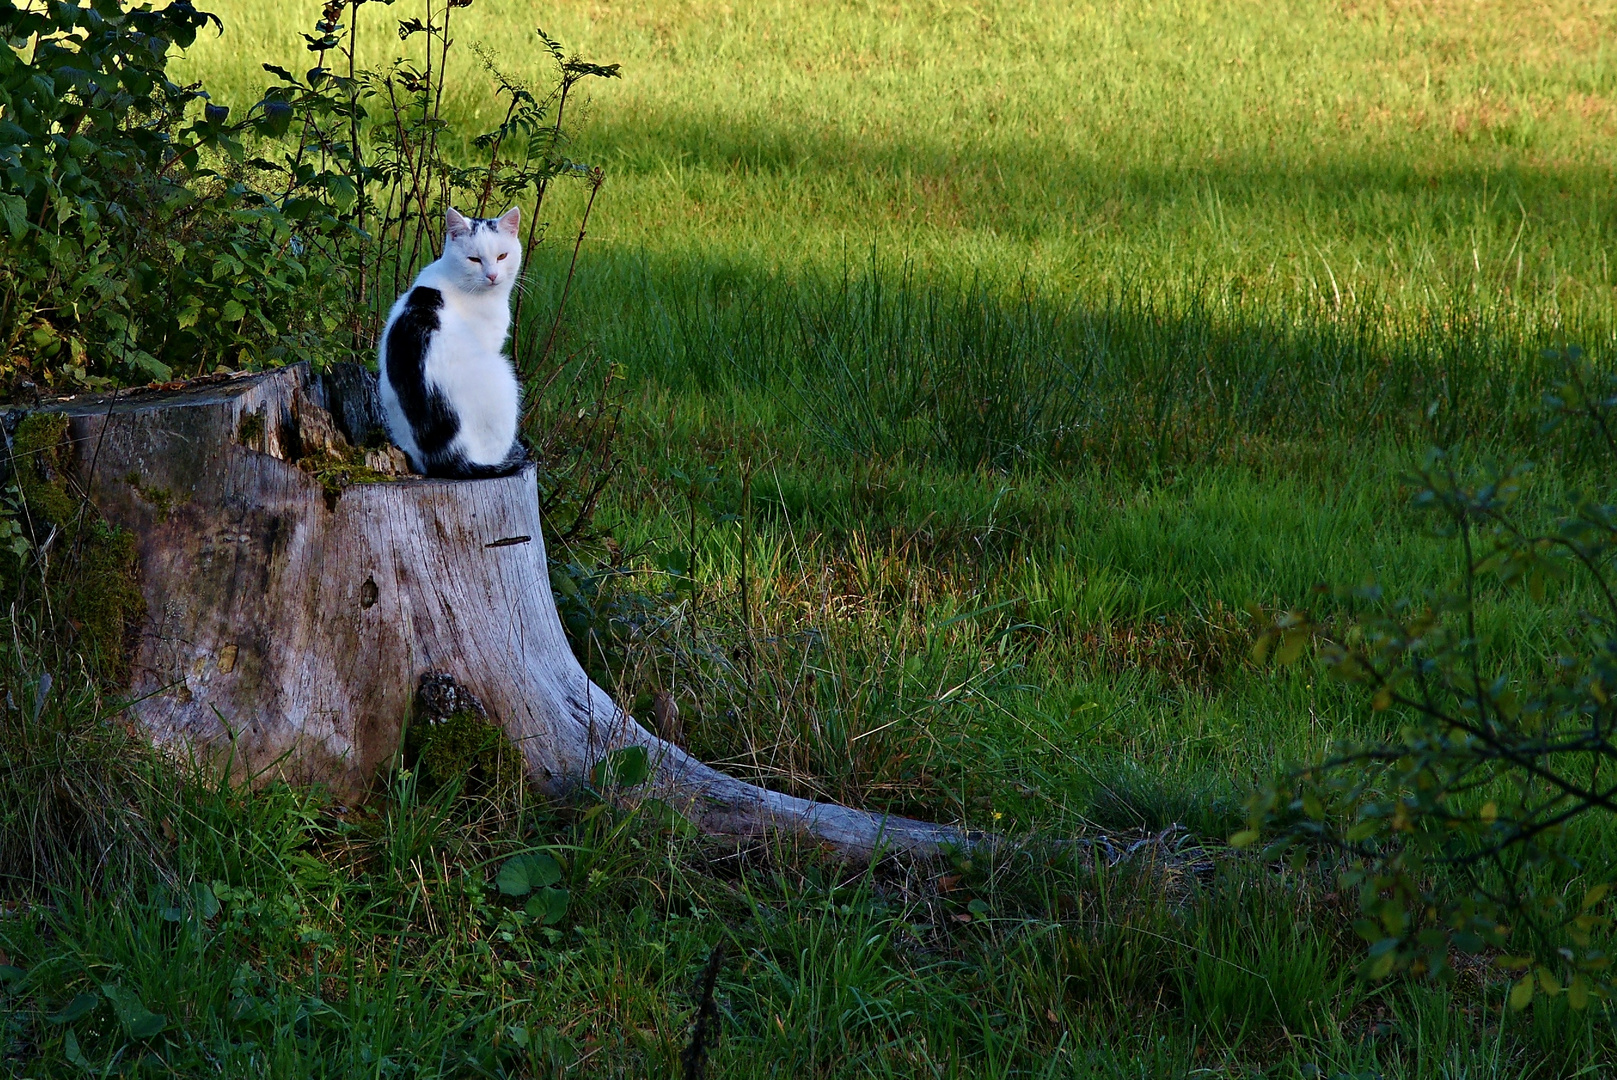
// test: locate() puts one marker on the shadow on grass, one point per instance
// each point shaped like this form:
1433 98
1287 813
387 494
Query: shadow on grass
879 364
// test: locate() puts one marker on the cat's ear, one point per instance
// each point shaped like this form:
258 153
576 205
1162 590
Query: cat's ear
510 220
456 226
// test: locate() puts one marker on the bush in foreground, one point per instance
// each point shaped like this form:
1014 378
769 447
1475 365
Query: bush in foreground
1469 829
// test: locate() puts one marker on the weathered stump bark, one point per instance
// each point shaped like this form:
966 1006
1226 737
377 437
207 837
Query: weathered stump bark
288 625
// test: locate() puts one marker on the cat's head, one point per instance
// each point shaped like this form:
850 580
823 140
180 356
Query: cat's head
483 253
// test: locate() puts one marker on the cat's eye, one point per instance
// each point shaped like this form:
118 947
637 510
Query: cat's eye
503 255
475 259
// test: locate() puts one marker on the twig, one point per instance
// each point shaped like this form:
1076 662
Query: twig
597 178
695 1056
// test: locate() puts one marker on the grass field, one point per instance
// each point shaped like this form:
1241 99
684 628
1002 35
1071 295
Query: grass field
979 365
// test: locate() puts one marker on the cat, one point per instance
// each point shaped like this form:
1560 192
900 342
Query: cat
449 393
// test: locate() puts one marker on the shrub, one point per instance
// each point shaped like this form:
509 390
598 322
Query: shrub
143 233
1470 828
122 252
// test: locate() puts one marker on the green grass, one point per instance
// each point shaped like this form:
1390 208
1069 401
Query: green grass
1019 347
1387 153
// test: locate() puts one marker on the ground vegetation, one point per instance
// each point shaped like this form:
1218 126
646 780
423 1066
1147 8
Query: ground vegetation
938 394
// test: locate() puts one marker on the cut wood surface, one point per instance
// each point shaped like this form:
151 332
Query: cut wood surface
289 625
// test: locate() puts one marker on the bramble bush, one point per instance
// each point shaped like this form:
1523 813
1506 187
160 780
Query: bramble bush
124 254
1469 830
145 233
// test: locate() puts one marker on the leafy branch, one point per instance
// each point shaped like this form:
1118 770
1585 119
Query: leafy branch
1467 829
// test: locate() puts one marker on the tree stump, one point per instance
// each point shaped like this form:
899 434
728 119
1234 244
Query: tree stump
289 621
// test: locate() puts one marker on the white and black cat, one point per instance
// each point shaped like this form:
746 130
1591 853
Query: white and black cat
449 393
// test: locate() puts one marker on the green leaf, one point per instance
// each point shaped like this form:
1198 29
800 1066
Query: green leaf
1260 649
1362 831
207 904
139 1021
1381 966
523 874
548 905
512 880
1292 645
10 974
1577 995
979 908
625 767
232 311
1595 895
1244 839
152 366
76 1008
71 1050
342 191
1522 993
15 210
277 115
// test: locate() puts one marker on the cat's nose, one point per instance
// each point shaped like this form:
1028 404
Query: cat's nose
493 279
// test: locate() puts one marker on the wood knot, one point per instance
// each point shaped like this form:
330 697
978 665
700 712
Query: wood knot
368 593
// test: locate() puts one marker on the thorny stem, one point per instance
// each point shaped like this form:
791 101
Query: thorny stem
538 204
438 88
401 155
494 160
597 178
356 161
527 254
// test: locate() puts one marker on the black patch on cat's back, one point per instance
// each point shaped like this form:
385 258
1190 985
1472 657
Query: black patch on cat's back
432 421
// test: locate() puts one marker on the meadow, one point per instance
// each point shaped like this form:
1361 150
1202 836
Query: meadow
959 376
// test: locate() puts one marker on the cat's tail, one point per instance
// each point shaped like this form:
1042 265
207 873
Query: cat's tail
455 466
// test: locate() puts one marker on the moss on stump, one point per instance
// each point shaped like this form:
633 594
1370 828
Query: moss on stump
90 568
451 740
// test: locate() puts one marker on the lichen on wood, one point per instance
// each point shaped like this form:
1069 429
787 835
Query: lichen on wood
162 499
250 432
42 464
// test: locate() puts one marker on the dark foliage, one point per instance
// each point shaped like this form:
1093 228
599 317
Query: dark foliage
1465 829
